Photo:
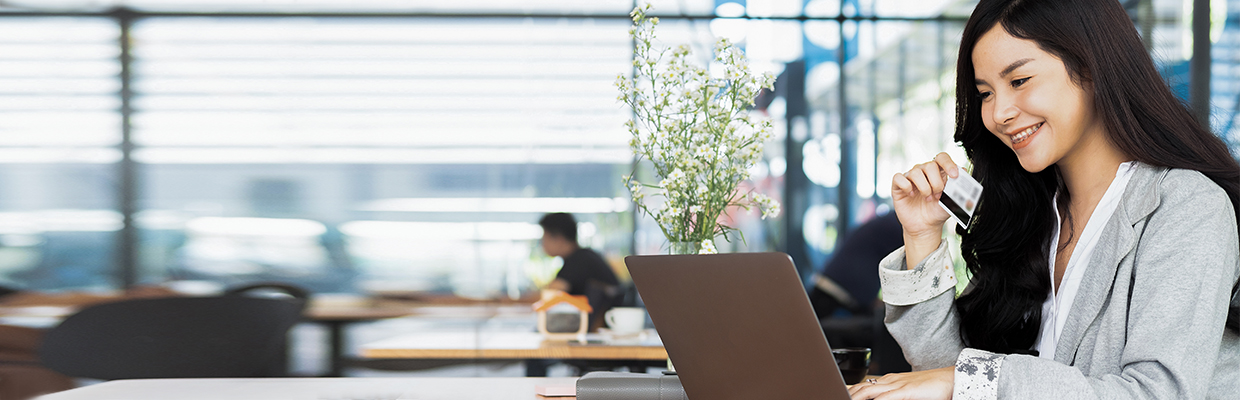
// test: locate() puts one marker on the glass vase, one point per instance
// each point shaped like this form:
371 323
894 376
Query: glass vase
677 248
680 248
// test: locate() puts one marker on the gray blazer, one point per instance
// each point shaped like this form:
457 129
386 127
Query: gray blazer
1148 319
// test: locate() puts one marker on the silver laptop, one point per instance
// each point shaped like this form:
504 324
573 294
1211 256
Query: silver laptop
738 326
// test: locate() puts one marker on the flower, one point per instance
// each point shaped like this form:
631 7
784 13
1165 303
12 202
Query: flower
695 130
708 247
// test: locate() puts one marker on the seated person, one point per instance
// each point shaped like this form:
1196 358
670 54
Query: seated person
850 281
584 273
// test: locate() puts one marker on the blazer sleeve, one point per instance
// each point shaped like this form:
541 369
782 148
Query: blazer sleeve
921 314
1185 264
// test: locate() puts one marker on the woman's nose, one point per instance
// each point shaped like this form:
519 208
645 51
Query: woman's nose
1005 110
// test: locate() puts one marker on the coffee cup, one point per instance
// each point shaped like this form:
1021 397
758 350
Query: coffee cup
625 320
854 363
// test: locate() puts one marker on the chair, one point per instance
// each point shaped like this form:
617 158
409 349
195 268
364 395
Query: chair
270 289
274 290
602 297
191 337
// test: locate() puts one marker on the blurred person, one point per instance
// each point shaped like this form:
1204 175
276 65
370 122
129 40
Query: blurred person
1103 251
849 282
585 272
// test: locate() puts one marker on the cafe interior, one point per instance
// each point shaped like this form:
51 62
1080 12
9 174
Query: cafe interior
360 183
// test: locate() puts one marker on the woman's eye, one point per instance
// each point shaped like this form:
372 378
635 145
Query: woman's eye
984 95
1019 82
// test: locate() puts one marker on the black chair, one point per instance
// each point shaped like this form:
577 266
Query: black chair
269 289
602 297
179 337
276 290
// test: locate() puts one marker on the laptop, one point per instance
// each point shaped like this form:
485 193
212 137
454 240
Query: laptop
738 326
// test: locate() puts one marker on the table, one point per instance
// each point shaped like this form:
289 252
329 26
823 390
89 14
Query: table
505 344
40 317
514 345
334 317
337 317
315 389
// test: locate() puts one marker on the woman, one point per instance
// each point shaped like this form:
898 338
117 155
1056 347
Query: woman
1104 249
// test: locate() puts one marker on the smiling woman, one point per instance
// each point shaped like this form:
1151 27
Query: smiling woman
1022 88
1104 250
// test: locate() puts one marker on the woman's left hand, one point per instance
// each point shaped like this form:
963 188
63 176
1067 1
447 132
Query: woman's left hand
935 384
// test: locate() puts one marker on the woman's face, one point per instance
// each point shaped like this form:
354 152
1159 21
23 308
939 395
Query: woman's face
1030 102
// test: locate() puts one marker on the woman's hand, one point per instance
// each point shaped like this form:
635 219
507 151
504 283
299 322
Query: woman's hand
935 384
915 195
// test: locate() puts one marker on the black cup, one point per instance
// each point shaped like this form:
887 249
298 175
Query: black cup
854 363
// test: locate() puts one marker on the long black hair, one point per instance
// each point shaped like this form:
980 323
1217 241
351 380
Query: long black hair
1006 247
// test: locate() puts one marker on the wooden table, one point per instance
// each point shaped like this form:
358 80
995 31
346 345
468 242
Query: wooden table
511 345
337 317
316 389
41 317
334 317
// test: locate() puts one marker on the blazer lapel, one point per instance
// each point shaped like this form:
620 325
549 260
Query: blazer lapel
1118 239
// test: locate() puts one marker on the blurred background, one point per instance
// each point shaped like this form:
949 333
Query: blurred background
366 146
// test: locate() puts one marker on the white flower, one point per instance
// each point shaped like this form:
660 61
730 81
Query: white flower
772 211
677 175
696 130
708 247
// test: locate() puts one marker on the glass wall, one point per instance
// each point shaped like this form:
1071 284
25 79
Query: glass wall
59 127
375 154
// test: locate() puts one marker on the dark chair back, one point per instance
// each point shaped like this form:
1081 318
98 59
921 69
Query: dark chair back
179 337
269 289
602 297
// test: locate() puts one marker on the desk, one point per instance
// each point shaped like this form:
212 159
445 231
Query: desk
334 317
315 389
39 317
507 345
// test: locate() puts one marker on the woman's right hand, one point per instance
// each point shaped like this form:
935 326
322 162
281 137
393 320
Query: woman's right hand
915 195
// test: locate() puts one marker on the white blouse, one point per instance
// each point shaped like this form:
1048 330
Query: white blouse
1055 309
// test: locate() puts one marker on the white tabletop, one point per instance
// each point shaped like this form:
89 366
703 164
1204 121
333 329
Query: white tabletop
316 389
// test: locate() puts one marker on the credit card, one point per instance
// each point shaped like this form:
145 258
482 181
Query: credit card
960 196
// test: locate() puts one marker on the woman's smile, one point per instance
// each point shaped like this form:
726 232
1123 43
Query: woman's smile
1020 138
